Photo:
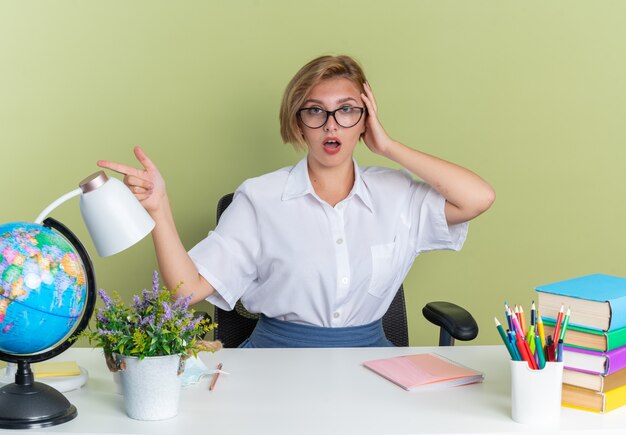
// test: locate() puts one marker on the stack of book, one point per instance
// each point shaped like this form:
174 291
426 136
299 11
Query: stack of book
594 354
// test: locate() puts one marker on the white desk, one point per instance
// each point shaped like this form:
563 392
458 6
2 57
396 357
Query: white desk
321 391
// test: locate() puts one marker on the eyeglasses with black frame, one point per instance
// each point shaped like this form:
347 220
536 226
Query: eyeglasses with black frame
345 116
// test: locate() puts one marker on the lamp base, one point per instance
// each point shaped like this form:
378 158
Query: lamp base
33 406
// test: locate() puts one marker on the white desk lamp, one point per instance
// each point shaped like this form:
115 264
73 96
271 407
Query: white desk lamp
115 220
114 217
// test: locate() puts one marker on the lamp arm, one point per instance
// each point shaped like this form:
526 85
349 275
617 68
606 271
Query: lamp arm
57 203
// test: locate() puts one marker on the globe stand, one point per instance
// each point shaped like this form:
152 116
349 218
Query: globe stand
62 384
27 404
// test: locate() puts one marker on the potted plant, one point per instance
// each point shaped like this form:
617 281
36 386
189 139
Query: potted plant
148 342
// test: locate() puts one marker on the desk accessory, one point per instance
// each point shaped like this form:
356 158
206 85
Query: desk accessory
536 366
424 371
536 394
48 292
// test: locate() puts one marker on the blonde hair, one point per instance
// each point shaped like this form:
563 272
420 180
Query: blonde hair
317 70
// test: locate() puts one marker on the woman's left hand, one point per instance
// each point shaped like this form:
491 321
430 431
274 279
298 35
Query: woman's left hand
375 136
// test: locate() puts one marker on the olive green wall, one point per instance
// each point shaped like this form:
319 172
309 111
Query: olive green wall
531 95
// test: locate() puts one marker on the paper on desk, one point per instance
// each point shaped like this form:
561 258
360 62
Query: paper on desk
48 369
196 370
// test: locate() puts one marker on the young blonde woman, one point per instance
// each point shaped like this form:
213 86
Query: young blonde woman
319 248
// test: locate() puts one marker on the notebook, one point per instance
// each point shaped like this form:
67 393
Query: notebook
49 369
424 371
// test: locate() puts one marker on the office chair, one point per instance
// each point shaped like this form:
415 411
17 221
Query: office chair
454 321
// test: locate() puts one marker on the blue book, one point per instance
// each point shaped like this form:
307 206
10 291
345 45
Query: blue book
597 301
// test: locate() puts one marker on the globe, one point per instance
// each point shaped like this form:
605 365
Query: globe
42 288
47 296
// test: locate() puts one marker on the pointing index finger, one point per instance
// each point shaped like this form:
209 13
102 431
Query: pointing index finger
120 168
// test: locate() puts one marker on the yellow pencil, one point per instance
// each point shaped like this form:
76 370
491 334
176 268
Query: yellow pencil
542 334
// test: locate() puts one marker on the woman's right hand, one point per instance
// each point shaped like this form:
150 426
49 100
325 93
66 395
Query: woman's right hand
146 184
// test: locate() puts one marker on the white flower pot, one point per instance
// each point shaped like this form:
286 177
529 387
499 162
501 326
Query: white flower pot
151 386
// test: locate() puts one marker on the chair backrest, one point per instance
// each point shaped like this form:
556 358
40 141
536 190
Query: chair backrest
237 325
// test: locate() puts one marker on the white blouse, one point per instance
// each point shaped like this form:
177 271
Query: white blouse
290 255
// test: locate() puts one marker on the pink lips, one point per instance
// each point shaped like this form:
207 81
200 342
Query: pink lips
332 145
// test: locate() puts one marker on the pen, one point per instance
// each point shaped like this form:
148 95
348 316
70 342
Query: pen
549 349
505 339
508 316
559 355
215 376
512 340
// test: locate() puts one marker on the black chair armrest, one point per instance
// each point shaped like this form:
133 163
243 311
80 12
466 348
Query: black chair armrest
455 322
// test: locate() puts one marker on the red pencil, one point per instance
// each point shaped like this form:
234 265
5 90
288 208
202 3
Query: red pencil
524 351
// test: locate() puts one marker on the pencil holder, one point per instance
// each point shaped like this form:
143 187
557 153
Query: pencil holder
536 394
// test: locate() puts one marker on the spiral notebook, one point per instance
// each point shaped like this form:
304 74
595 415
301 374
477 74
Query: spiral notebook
424 371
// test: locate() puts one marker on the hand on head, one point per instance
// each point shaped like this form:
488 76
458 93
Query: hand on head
375 136
147 184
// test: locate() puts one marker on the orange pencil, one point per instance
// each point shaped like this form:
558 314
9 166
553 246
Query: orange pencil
522 320
557 326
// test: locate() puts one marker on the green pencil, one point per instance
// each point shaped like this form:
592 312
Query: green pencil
508 345
539 351
564 327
